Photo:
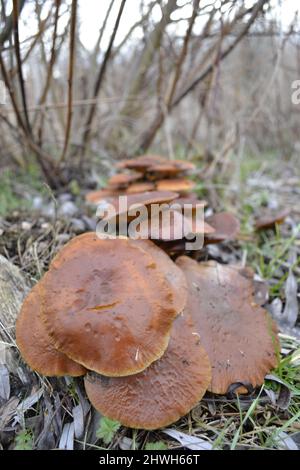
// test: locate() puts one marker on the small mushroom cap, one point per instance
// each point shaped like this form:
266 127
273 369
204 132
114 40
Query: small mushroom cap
180 186
225 225
170 224
171 272
269 221
238 335
166 225
140 187
35 344
141 163
139 200
164 170
95 197
164 392
107 305
122 180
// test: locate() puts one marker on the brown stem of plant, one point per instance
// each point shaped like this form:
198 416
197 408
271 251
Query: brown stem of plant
70 79
43 159
8 27
102 70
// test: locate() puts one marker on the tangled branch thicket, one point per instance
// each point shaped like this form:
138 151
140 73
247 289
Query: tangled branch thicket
174 79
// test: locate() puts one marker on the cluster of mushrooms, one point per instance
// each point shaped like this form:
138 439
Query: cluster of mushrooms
150 332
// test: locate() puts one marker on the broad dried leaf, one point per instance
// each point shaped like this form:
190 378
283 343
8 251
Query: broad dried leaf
67 438
4 383
78 417
291 309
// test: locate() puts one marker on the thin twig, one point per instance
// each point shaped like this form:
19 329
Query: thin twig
70 78
102 70
16 10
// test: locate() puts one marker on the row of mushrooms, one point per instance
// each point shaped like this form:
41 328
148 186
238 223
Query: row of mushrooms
149 332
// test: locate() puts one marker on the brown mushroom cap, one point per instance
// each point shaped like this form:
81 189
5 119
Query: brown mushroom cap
140 187
94 197
238 335
166 225
225 225
141 199
107 305
122 180
141 163
164 392
270 221
170 271
180 186
35 344
170 224
164 170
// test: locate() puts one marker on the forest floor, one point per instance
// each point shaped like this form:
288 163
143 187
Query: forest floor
51 413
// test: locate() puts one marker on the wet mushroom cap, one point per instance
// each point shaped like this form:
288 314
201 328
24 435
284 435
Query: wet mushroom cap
171 272
225 225
35 344
107 305
161 394
177 185
239 336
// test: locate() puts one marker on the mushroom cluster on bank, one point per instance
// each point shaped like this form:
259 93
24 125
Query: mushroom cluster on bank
150 332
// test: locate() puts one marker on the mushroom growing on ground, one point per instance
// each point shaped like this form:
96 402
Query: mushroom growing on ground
270 221
226 227
164 392
180 185
238 335
36 345
107 305
122 180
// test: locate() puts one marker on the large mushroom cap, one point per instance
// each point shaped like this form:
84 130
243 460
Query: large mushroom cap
164 392
225 225
35 344
171 272
180 186
238 335
107 305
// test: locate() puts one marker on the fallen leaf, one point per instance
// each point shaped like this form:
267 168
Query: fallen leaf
291 309
67 438
4 383
190 442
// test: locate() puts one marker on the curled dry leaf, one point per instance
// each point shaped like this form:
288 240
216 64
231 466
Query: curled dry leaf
162 393
238 335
